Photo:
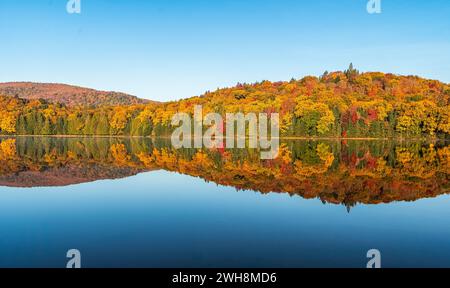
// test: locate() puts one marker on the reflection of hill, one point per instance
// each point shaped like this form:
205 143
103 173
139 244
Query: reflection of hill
341 173
67 175
370 182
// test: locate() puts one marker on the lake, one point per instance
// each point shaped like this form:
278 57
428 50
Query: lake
138 202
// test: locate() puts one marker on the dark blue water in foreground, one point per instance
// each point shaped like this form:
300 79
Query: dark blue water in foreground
163 219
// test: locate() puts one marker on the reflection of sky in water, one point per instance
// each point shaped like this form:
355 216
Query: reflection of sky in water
162 219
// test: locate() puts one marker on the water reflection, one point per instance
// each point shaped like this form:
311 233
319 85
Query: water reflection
348 172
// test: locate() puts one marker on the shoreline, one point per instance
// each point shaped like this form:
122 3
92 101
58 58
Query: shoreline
281 138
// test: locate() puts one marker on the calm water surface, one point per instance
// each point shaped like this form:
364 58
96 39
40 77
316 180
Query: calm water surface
140 203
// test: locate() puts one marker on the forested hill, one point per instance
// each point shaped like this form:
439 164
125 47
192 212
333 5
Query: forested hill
67 94
344 104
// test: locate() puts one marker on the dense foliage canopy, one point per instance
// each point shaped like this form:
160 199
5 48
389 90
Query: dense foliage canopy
338 104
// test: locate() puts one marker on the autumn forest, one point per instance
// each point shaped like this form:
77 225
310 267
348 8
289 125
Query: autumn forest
346 104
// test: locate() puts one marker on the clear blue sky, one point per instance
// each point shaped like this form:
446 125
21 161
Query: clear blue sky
171 49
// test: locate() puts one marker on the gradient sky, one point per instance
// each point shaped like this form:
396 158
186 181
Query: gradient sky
172 49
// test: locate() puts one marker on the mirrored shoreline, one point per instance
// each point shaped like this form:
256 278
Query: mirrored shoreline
340 172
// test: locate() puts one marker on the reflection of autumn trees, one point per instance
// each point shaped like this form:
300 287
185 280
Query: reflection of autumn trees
119 154
8 149
348 172
8 156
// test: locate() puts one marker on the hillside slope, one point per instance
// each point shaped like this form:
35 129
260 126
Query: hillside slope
346 104
67 94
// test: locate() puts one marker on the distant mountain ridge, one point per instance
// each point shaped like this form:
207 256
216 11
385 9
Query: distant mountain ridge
67 94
